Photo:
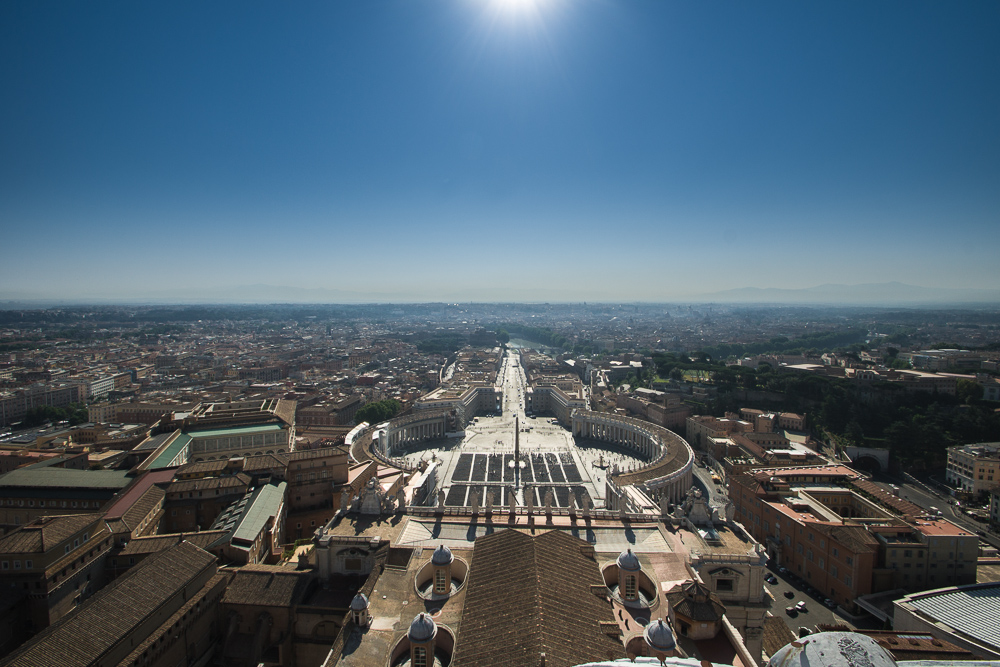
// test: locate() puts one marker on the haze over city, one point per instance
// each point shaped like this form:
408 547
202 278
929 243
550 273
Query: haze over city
497 150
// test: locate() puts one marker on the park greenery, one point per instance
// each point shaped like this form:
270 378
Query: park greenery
379 411
74 413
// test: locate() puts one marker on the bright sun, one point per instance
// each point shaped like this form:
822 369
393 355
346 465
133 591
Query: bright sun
516 5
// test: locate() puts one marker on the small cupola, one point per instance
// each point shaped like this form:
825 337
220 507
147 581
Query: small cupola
359 610
422 632
660 639
628 570
442 560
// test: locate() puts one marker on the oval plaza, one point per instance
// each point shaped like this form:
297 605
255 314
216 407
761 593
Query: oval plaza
528 439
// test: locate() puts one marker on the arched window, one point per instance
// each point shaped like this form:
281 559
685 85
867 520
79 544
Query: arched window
630 587
419 656
440 581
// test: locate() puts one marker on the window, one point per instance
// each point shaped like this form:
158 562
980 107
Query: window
630 588
835 552
850 561
847 580
724 585
17 565
833 571
440 581
28 565
4 565
419 656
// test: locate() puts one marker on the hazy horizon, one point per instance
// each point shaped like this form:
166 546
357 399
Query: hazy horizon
516 150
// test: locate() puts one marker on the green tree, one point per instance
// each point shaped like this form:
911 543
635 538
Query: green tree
968 391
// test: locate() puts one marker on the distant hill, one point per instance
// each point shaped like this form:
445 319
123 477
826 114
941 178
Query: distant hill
875 294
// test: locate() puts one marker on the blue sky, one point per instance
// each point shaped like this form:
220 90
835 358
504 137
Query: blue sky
478 148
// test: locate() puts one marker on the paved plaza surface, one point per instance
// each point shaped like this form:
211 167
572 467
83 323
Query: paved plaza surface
552 461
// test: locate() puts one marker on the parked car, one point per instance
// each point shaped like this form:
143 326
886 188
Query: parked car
771 579
801 606
789 594
791 611
830 603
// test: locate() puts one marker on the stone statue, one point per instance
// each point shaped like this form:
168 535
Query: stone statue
730 511
489 502
529 500
345 501
441 498
548 501
664 505
512 501
474 501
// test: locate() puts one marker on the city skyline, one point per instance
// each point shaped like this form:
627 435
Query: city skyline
530 150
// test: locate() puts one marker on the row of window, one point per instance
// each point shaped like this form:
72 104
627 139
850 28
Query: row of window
20 502
5 565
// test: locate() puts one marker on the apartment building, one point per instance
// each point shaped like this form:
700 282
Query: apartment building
974 469
826 526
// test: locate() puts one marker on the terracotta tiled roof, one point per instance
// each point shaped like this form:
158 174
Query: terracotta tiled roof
238 482
45 533
265 462
695 601
532 595
267 585
203 467
776 635
108 618
152 497
155 543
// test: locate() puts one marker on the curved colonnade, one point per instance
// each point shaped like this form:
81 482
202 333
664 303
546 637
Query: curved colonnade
402 432
671 466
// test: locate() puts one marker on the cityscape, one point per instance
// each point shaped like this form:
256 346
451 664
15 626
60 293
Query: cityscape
391 484
499 333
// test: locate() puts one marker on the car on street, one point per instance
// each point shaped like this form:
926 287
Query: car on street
789 594
771 579
801 606
792 611
830 603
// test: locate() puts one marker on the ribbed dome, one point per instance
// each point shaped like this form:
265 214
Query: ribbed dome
628 561
442 556
359 603
422 629
659 636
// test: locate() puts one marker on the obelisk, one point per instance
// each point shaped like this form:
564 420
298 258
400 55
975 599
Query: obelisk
517 453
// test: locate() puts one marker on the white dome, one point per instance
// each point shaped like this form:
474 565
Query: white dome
628 561
442 556
659 636
359 603
422 629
